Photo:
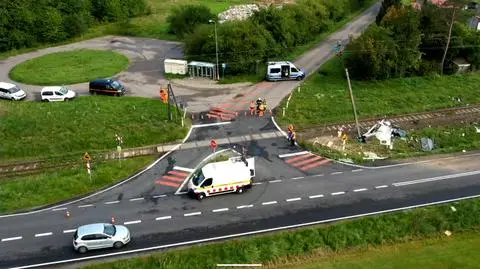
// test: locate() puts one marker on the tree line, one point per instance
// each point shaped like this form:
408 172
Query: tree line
27 23
269 34
407 41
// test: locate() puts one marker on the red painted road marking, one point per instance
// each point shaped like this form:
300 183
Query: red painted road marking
180 179
174 172
294 159
167 183
311 160
224 111
222 117
312 165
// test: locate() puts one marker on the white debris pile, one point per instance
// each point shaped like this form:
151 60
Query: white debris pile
239 12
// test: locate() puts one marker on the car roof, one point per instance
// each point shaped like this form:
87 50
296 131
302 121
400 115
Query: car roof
6 85
51 88
94 228
101 80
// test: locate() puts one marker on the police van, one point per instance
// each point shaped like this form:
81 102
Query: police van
233 175
283 71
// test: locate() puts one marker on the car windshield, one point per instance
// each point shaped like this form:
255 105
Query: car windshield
116 85
14 90
109 229
198 178
63 90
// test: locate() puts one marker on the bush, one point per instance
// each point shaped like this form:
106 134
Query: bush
184 19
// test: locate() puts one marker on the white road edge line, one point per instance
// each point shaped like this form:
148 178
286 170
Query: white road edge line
136 199
293 178
451 176
192 214
336 173
132 222
159 196
11 238
315 196
359 190
69 231
210 124
244 206
293 199
184 169
293 154
269 203
220 209
357 170
338 193
58 209
381 186
111 187
112 202
82 206
275 181
162 218
229 236
43 234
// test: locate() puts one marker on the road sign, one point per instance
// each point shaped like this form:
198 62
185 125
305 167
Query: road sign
86 157
213 144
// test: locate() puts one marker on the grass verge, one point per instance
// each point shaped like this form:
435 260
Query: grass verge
459 251
35 130
69 67
423 223
324 97
52 187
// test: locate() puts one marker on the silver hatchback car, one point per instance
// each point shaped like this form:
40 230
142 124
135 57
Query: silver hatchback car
100 235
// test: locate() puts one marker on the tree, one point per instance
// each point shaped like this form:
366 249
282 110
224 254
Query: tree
455 4
184 19
386 4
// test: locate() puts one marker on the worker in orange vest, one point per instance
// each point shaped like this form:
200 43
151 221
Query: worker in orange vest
252 108
164 96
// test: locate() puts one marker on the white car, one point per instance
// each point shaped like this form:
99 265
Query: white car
100 235
11 91
56 93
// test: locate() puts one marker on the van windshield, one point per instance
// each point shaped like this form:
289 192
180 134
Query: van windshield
116 85
14 89
198 178
63 90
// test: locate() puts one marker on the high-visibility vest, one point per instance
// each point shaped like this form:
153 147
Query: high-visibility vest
252 105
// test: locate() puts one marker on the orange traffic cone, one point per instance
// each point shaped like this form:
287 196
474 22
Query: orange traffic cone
113 219
67 214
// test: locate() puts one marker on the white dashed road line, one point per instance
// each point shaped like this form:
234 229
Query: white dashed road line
43 234
112 202
319 175
69 231
381 187
136 199
257 183
159 196
11 238
293 199
338 193
132 222
315 196
293 154
58 209
244 206
220 210
162 218
269 203
359 190
275 181
336 173
192 214
357 170
81 206
297 178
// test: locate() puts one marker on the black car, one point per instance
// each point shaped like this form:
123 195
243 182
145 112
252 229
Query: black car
106 86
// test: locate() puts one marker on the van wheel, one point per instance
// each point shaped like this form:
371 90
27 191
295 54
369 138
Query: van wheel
118 245
240 190
200 196
82 250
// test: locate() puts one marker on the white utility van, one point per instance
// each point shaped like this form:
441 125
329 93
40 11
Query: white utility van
233 175
283 71
11 91
56 93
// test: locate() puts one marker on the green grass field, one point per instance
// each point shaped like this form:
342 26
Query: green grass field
37 130
52 187
324 98
69 67
458 251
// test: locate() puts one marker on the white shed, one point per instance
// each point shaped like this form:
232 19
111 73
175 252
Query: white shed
173 66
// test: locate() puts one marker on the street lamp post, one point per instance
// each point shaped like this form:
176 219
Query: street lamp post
216 45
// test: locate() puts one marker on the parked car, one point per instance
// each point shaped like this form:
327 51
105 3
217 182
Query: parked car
11 91
100 235
106 86
56 93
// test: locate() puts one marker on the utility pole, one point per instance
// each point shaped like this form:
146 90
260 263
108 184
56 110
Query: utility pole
216 46
353 103
448 40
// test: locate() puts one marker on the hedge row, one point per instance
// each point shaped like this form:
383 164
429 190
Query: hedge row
371 231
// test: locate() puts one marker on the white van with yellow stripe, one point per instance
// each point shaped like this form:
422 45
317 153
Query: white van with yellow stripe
233 175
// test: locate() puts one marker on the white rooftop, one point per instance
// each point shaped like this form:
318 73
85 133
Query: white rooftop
6 85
